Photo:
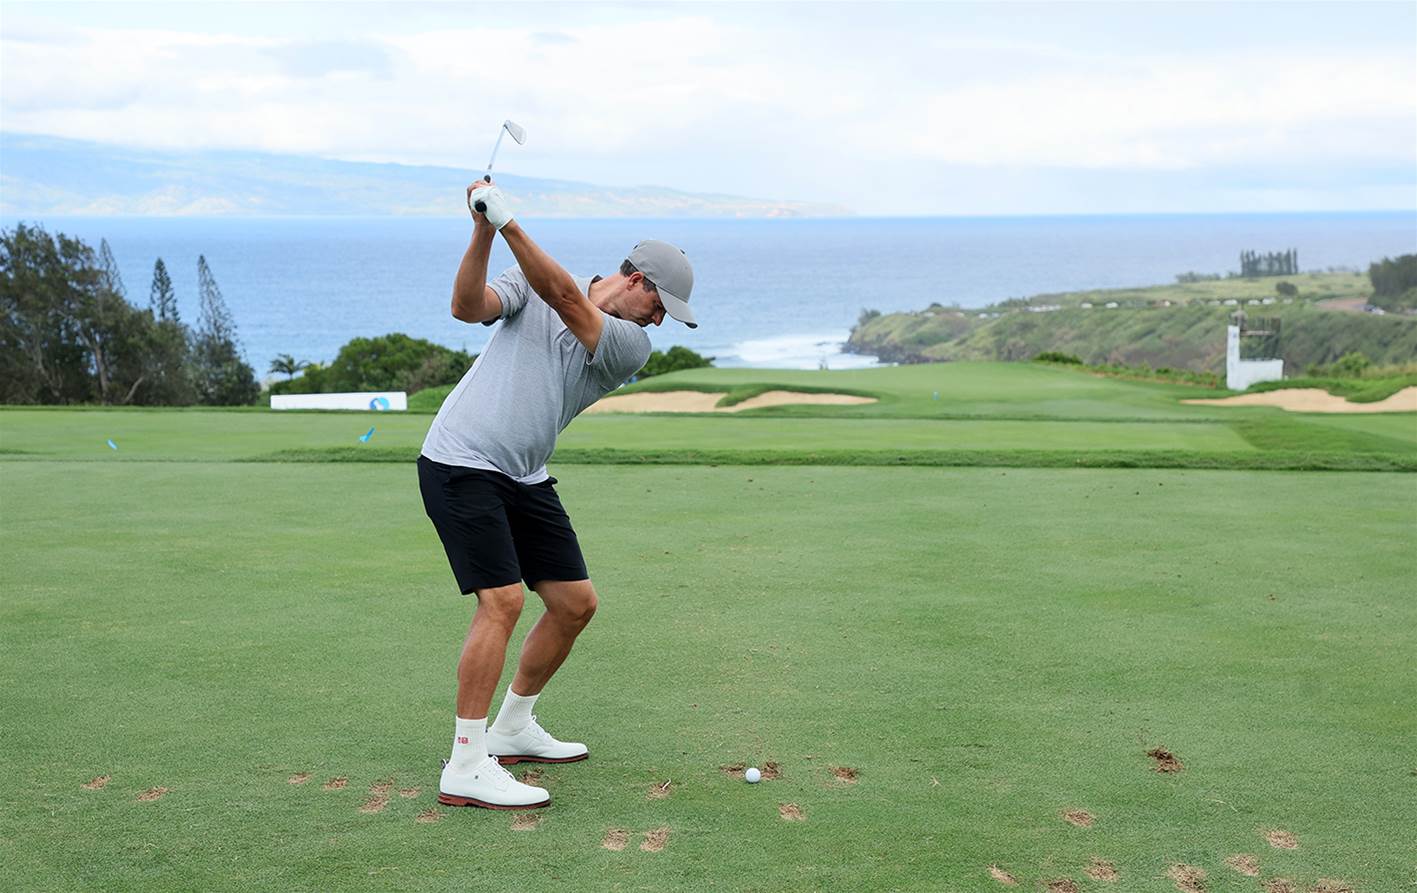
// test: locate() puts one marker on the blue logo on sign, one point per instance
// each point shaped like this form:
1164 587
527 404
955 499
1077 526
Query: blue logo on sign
379 403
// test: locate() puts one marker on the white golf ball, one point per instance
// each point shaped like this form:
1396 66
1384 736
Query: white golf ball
753 776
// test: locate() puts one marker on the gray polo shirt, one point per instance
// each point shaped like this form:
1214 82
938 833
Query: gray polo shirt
527 385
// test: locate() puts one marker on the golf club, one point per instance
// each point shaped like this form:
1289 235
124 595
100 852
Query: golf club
519 134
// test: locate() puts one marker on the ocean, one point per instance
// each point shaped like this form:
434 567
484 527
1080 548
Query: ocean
767 293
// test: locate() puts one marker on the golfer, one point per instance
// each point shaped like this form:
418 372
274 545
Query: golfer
565 341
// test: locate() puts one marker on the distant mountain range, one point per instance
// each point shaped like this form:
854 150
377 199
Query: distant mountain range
41 176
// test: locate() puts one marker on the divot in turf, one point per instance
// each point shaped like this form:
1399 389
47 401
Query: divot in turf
1244 863
615 839
152 794
1078 818
1281 840
655 840
97 784
791 812
1002 876
1101 870
1165 760
1187 878
298 778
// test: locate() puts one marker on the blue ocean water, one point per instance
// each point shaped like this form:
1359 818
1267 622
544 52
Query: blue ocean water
781 293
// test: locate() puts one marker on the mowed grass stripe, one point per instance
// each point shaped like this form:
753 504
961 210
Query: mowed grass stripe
986 647
1279 460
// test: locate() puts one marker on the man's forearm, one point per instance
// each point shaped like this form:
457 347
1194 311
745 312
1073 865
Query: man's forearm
470 284
546 277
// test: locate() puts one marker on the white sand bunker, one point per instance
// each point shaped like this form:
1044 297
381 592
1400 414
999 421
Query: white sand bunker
1317 400
699 401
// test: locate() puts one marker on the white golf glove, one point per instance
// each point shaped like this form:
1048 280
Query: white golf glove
498 212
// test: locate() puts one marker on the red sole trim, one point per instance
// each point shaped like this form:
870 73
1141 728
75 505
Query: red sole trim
455 800
513 760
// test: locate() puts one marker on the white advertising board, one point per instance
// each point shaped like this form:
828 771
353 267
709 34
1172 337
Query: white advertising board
375 401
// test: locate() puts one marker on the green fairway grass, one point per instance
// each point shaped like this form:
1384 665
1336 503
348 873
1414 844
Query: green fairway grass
997 412
242 607
985 647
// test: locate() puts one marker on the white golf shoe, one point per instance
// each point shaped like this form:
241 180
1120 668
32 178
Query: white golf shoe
533 744
490 786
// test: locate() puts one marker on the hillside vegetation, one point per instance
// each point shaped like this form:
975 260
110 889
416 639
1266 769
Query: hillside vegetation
1179 326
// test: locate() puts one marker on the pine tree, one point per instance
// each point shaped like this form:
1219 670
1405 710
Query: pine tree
111 280
222 376
162 300
215 322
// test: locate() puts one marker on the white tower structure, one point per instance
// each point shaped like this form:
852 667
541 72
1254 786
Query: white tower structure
1240 374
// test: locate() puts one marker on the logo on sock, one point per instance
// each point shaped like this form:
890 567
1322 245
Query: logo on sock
462 739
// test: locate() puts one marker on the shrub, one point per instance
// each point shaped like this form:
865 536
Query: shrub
388 362
673 360
1351 365
1053 356
1286 289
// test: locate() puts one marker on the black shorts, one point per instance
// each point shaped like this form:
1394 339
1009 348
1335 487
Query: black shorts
497 531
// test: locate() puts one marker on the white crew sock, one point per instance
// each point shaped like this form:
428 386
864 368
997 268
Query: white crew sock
469 743
515 714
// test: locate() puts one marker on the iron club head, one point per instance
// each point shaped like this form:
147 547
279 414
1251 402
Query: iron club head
518 133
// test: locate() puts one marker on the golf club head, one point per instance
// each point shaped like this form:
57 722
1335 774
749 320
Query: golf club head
518 133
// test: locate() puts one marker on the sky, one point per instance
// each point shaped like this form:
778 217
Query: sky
885 108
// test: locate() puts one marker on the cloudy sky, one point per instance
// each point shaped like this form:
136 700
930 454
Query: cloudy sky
887 108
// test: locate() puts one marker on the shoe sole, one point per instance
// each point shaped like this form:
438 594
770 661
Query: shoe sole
513 760
455 800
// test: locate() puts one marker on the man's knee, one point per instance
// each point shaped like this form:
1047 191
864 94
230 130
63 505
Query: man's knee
573 604
501 603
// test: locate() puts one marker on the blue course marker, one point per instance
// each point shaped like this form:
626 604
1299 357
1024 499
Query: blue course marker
111 444
364 438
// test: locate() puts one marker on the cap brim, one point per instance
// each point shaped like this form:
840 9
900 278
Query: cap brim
677 309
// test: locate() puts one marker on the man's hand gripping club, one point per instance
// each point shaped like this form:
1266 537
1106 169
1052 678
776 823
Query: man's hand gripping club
498 213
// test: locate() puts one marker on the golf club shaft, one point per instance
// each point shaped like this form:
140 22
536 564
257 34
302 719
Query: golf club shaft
487 177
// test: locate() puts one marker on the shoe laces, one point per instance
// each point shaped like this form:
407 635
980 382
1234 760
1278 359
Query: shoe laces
499 774
537 731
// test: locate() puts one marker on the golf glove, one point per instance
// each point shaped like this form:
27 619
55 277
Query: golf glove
498 212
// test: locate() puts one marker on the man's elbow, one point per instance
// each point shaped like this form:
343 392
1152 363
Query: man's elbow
463 312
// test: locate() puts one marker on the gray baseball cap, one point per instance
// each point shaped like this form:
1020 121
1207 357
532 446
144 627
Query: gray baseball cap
668 270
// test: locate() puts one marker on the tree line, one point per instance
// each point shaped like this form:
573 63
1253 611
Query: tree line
1395 282
68 333
1274 263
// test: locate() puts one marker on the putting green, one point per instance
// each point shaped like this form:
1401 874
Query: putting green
986 648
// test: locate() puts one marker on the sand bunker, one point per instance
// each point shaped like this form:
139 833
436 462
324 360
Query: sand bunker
1317 400
698 401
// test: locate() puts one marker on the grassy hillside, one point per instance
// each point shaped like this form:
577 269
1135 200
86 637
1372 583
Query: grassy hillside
1177 326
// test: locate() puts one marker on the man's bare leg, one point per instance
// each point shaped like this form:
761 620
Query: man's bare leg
484 653
569 607
470 778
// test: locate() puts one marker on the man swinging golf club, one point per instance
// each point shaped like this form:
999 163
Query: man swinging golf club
565 341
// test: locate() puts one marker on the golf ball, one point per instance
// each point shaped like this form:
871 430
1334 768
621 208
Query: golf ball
753 776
